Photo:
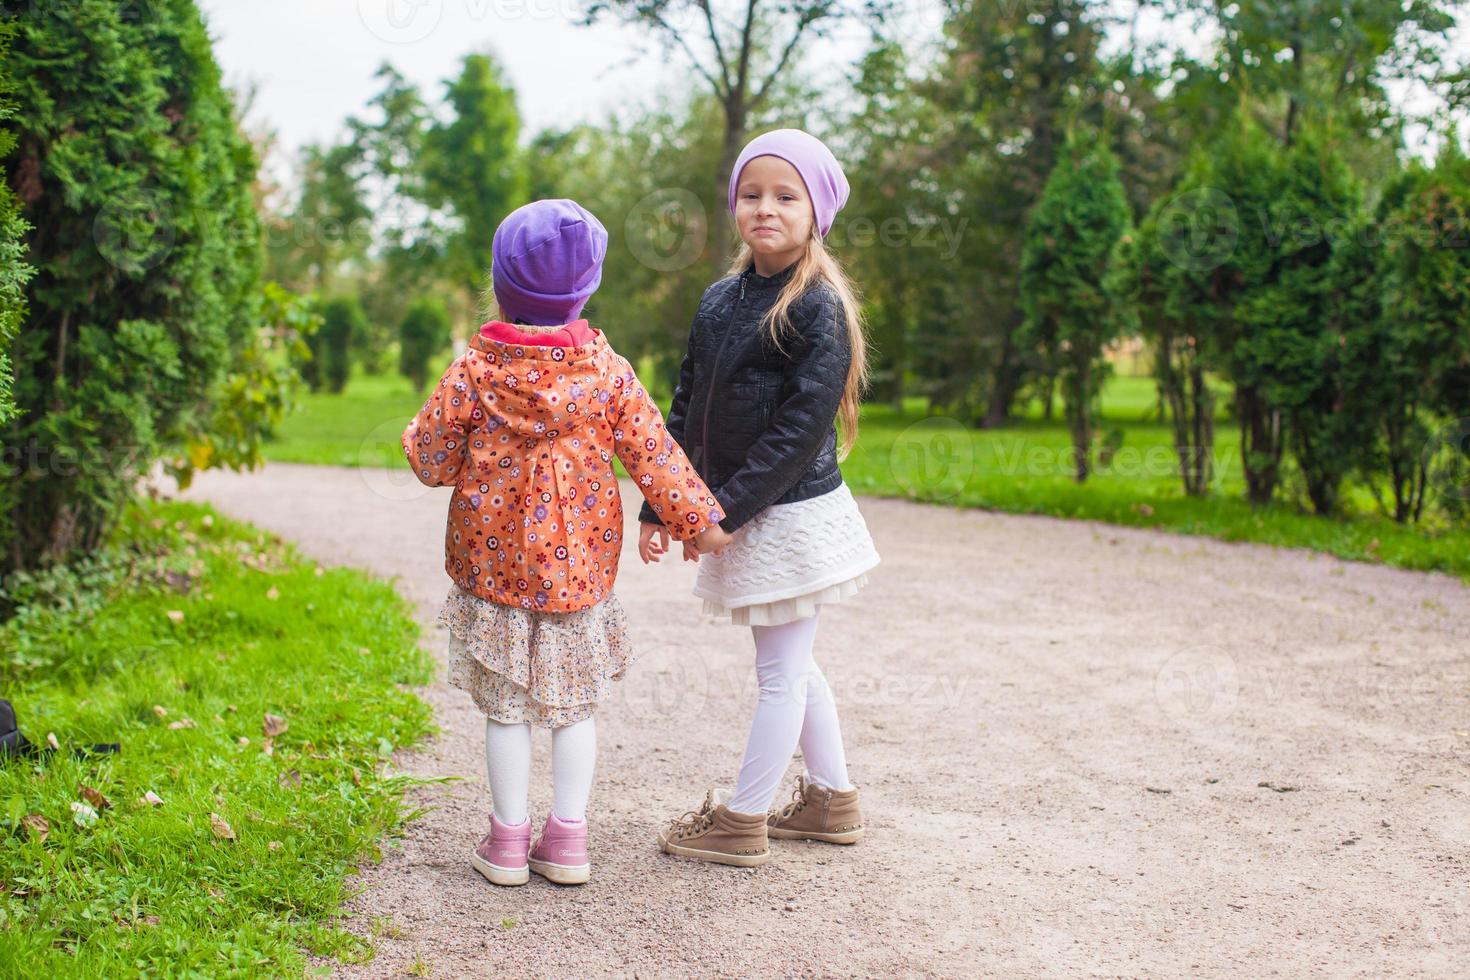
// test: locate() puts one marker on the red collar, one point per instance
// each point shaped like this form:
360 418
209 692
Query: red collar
574 334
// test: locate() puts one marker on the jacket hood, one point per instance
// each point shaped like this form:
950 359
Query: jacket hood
552 385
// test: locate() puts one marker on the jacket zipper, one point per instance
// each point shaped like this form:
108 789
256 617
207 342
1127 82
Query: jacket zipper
715 372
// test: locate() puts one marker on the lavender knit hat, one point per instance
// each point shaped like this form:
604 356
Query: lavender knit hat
825 182
547 262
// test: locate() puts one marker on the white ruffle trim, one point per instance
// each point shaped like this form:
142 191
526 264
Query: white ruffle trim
786 610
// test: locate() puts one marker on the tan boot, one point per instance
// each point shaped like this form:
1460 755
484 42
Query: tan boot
818 813
716 833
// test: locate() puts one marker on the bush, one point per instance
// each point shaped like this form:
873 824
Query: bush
425 332
342 321
136 181
13 272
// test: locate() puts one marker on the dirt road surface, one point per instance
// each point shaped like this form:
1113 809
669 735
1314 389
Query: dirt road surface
1083 751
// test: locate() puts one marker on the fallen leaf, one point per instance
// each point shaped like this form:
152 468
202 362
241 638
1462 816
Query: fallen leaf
356 776
82 814
292 778
319 571
1145 510
268 746
51 741
243 740
364 651
160 711
180 582
36 824
231 708
182 723
150 920
273 593
220 827
1278 787
177 615
93 797
206 521
274 725
274 845
152 799
1155 789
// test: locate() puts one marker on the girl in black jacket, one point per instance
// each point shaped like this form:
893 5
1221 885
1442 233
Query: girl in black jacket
776 356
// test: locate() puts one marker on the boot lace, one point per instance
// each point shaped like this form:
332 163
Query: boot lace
694 821
797 804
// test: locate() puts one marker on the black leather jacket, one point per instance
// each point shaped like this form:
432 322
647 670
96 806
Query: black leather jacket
759 425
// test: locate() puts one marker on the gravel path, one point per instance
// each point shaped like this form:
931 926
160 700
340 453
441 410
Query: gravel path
1083 750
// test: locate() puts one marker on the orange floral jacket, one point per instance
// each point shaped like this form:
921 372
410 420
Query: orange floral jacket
524 427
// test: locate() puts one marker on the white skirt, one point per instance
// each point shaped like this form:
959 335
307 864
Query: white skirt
788 560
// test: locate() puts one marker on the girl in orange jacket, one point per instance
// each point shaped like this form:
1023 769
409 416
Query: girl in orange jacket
524 425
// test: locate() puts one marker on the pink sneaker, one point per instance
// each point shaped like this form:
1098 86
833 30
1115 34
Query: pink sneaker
501 856
560 853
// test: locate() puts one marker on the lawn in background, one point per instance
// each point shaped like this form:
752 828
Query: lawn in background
255 696
1022 468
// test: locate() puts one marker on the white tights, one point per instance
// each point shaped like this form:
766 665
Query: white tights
508 764
795 706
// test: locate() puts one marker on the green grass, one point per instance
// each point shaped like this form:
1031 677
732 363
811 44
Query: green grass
1023 468
176 642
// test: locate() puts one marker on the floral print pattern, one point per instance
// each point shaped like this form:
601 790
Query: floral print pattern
526 435
545 669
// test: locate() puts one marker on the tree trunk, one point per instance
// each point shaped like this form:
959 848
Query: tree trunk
1260 445
722 241
1002 380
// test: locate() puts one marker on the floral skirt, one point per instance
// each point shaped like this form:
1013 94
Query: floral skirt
543 668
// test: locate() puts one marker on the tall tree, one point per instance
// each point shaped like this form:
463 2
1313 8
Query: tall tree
1160 303
472 167
1011 78
740 51
1070 314
1287 347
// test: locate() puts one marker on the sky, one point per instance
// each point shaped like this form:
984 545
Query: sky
312 61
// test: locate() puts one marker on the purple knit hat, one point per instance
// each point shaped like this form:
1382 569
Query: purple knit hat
547 262
825 182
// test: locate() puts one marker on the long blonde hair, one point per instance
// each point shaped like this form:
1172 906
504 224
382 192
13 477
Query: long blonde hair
819 265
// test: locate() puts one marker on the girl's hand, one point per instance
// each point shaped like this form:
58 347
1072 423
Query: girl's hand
649 549
691 551
713 538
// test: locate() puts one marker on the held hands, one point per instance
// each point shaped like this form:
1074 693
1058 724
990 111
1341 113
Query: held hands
653 542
